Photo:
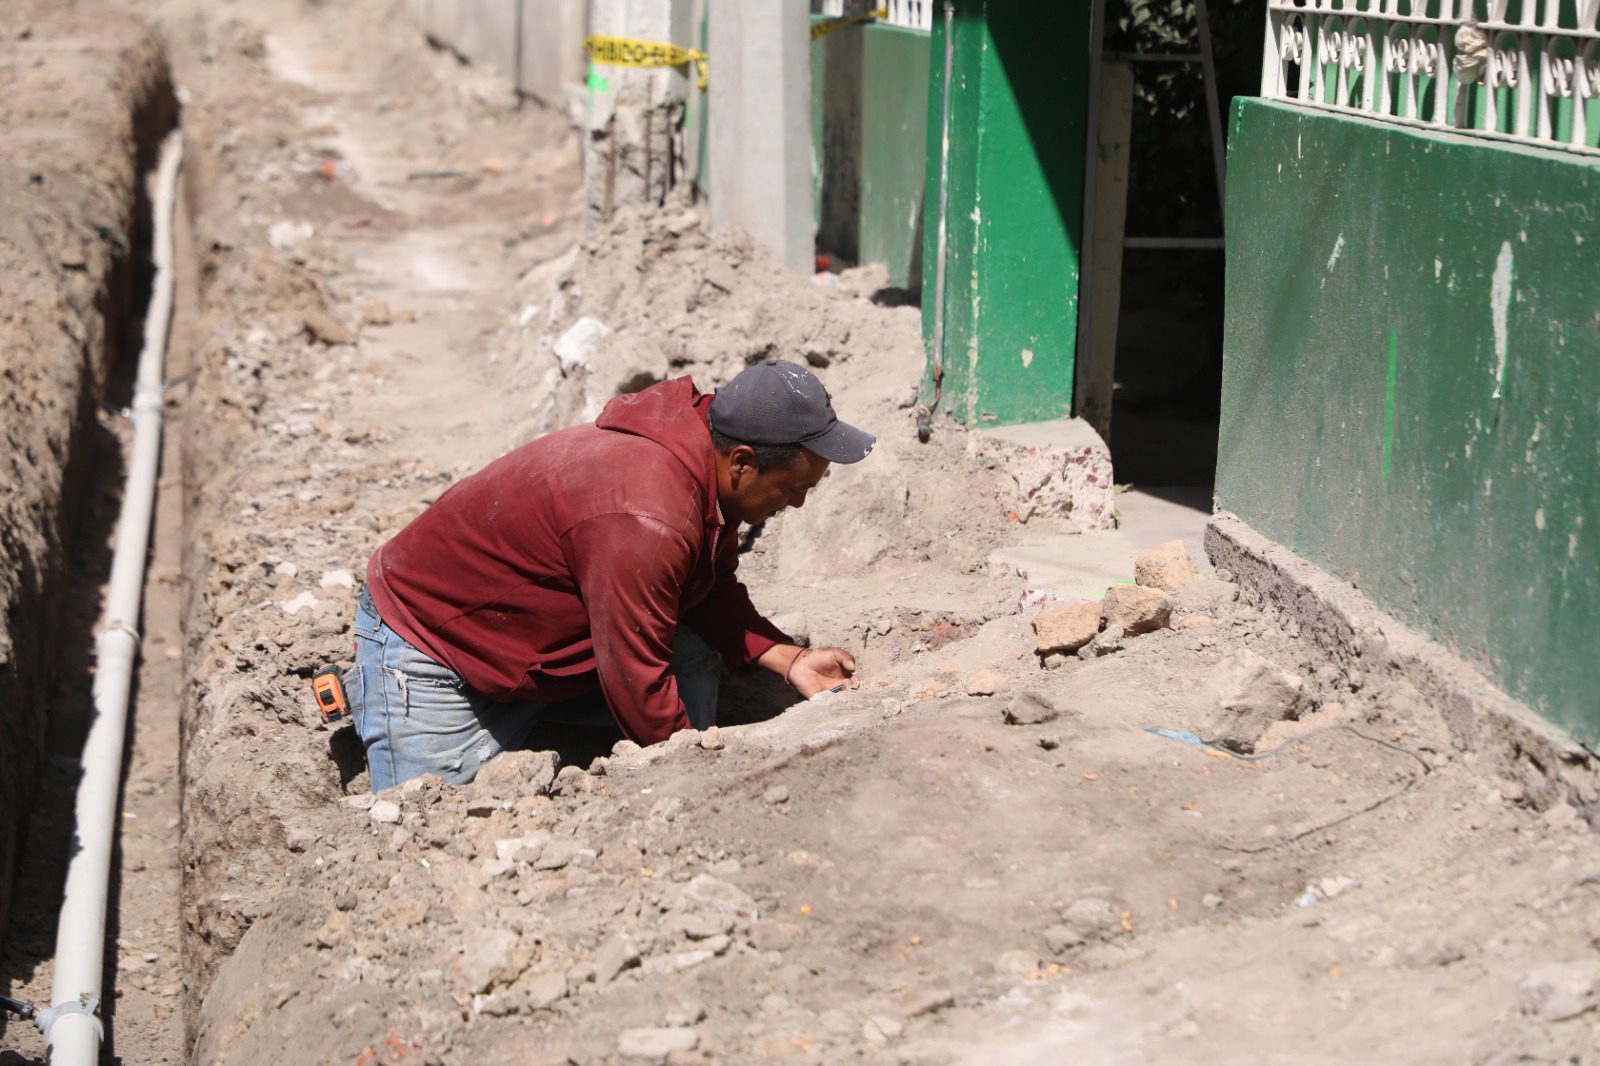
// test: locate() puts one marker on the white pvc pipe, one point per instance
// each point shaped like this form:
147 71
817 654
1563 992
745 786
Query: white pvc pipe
71 1025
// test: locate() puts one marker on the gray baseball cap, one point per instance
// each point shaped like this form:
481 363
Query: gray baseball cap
778 402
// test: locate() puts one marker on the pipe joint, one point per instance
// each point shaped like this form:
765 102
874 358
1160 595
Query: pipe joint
87 1004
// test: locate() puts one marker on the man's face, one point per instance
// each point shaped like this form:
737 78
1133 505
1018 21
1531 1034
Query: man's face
751 495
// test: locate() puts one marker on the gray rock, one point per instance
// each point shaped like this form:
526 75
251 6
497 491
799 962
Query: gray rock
546 989
1031 707
1059 939
1249 694
699 925
1017 963
1205 595
1092 918
656 1044
776 794
490 958
615 955
513 774
1107 642
1562 990
774 935
385 812
707 893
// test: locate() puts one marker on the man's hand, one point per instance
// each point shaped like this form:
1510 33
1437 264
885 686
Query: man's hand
812 670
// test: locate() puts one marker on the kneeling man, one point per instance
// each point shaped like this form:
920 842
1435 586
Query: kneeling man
595 562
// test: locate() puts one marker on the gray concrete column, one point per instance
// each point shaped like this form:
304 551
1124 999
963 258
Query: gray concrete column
634 151
760 124
550 59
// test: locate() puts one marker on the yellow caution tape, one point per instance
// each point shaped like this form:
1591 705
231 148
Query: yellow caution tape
822 29
649 55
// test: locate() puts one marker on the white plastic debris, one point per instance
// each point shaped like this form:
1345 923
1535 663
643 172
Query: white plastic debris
578 343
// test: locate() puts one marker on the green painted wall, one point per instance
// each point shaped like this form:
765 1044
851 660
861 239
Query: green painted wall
1018 105
869 89
1411 385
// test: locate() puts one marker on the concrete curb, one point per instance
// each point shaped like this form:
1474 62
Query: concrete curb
1365 644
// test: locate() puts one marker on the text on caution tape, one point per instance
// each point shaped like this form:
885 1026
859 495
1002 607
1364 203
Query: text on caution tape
647 55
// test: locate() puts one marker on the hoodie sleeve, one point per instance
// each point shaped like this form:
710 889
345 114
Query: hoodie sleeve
630 571
726 618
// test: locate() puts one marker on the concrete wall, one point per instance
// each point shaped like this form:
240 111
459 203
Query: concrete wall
538 44
552 59
869 106
759 127
1018 103
1411 387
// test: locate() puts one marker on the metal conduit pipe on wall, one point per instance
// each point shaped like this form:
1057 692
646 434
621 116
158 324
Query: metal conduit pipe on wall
71 1025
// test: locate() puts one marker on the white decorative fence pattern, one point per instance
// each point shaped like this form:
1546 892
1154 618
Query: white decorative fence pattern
912 14
1520 70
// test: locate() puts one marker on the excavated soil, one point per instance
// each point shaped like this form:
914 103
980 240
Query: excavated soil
976 857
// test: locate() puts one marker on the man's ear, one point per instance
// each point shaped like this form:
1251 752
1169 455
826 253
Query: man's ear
741 463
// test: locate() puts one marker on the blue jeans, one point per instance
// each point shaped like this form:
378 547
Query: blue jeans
416 716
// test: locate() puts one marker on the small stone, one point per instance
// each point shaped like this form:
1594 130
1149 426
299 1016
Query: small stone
1562 990
1249 695
1059 939
987 683
488 959
1137 610
385 812
711 739
516 773
1561 816
880 1029
699 925
1017 963
1050 743
1210 901
685 1016
615 955
1106 642
1030 707
1333 887
775 936
708 893
624 747
323 327
1094 918
1205 595
1065 629
378 314
1194 621
334 931
561 853
656 1044
1166 567
776 795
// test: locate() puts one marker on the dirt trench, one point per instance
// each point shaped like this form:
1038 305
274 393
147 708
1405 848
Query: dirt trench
387 274
85 98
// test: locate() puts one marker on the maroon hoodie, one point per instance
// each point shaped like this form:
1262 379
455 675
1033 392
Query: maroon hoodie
569 562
